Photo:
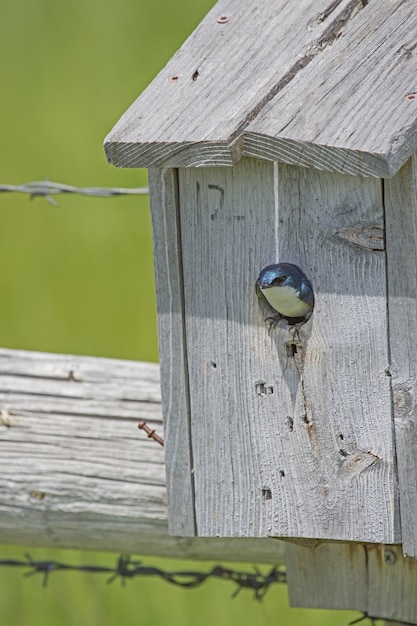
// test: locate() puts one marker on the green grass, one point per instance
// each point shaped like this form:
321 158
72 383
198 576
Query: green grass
79 278
78 599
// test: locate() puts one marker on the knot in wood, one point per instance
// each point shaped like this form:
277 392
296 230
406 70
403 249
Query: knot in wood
403 400
367 237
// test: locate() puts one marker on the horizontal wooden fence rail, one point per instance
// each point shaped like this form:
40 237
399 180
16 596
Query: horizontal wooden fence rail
75 470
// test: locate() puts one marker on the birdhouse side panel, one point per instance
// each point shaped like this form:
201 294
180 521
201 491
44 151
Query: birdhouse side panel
163 185
401 240
291 430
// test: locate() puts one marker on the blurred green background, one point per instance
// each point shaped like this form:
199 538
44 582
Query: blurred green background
79 278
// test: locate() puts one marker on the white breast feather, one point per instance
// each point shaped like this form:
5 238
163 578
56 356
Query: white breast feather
285 300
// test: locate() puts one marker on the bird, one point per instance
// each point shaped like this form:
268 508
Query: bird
287 290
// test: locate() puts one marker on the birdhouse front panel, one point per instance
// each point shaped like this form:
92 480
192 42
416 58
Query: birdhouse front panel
288 426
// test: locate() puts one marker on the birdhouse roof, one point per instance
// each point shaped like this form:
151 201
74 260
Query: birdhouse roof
319 83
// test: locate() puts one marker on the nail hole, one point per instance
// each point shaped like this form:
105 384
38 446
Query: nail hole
290 423
308 422
266 494
212 365
195 75
282 473
292 349
223 19
262 390
343 453
340 436
260 387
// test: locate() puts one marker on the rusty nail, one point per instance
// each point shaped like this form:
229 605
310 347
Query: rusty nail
410 96
151 433
223 19
174 78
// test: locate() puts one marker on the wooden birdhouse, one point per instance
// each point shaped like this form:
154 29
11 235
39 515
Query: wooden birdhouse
285 132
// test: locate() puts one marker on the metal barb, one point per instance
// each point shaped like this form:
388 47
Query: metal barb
373 619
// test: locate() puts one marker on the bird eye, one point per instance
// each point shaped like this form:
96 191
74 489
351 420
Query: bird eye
278 280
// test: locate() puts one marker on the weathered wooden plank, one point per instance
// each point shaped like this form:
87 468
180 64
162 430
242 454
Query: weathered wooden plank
344 454
331 576
262 80
237 59
347 110
163 186
392 584
401 241
222 210
75 472
312 454
375 579
74 469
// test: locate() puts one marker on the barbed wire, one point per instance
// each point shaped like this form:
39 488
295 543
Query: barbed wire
47 189
373 619
125 568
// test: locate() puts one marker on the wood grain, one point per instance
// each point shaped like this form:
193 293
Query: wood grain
401 241
375 579
167 246
312 455
222 210
75 471
345 453
194 112
329 85
347 110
